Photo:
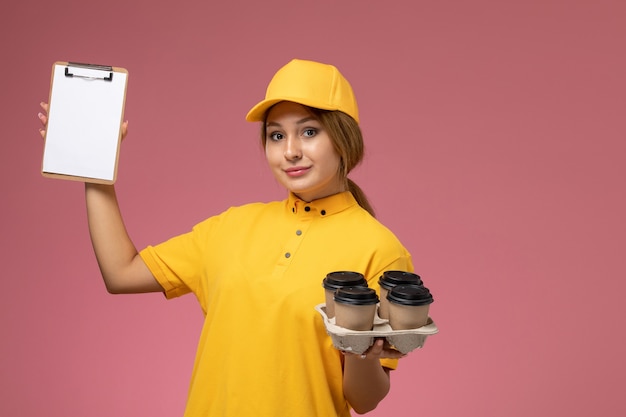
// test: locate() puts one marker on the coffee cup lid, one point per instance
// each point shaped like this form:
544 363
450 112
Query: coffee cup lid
356 296
410 295
339 279
390 279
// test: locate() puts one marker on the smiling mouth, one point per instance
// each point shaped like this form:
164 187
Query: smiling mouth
297 171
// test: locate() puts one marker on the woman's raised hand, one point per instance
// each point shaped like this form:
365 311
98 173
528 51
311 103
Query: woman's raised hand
43 117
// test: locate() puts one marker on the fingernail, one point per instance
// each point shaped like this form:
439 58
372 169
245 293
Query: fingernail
40 115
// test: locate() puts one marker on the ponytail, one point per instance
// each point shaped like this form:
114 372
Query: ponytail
360 197
348 142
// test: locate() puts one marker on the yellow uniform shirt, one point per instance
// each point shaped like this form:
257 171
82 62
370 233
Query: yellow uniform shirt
257 272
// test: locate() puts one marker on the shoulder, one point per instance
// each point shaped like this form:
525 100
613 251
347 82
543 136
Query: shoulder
253 209
361 226
368 223
242 214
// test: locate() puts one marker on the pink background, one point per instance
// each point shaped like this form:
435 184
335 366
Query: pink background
495 134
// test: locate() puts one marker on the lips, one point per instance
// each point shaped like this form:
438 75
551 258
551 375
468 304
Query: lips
297 171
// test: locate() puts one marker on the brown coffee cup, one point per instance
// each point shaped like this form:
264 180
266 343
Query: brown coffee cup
339 279
390 279
355 308
408 306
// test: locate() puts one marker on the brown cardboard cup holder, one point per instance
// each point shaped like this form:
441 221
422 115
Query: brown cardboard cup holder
357 342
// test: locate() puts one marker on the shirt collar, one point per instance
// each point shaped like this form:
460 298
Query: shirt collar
322 207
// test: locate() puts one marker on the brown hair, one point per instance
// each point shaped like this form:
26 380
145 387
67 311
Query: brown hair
347 139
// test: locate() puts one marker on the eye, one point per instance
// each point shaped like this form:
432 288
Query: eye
309 133
275 136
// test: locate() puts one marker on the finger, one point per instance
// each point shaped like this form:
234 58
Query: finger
392 354
377 347
374 351
124 129
356 355
44 121
43 118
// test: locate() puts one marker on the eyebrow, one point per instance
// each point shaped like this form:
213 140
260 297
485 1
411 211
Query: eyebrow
299 122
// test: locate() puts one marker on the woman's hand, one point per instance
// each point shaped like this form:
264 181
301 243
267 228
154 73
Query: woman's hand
379 350
365 381
43 117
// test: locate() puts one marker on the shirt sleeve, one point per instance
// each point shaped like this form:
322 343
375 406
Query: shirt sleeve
172 285
180 263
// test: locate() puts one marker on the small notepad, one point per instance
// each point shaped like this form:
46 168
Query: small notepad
85 115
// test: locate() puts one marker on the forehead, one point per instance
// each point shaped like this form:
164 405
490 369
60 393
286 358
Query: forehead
287 111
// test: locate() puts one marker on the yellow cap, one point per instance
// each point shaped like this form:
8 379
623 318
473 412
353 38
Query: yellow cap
311 84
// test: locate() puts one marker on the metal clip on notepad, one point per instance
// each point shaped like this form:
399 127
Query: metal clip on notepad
89 71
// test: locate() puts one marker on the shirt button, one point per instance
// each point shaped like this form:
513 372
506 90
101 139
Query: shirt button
287 255
323 212
298 232
307 208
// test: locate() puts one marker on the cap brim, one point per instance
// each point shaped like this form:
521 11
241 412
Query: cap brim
257 113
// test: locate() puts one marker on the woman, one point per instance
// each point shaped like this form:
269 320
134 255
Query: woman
257 269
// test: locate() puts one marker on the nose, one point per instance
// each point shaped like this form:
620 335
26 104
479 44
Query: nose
293 151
